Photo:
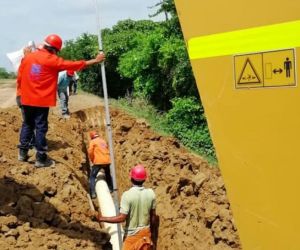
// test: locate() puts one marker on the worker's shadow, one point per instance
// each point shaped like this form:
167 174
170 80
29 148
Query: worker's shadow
57 145
28 204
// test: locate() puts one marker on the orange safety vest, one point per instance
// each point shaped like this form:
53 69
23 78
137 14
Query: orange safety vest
98 152
37 77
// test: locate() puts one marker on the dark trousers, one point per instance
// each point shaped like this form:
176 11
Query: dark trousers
35 122
94 171
73 87
18 101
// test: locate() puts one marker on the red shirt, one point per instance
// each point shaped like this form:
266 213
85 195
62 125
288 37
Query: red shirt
37 77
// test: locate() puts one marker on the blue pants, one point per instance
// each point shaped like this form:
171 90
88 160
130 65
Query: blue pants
18 100
64 101
93 175
35 121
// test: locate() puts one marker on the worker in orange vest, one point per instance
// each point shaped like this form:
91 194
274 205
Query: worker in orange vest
99 155
37 78
137 208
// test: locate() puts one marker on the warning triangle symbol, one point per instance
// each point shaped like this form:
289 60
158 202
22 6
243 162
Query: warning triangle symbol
248 74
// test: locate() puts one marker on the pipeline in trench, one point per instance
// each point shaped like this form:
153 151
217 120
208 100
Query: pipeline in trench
94 120
192 205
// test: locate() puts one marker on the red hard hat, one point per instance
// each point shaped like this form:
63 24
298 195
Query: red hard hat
54 40
70 72
138 173
93 134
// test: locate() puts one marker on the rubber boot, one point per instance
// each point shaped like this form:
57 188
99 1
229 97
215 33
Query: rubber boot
43 161
44 164
23 155
93 195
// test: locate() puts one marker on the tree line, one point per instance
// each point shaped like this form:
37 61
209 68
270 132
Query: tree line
4 74
149 60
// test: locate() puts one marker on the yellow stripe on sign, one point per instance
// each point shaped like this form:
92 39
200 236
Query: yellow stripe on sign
270 37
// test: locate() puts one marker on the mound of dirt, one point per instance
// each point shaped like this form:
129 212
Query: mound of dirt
46 208
191 198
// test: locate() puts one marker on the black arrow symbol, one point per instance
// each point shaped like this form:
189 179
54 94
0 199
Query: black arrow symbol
275 71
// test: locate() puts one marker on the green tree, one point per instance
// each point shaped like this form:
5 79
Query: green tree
172 22
140 65
4 74
165 6
159 68
175 66
85 47
118 41
149 60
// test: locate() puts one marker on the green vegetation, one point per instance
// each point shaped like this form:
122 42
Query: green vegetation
187 122
6 75
147 62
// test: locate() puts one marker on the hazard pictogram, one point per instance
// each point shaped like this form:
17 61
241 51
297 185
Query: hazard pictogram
248 74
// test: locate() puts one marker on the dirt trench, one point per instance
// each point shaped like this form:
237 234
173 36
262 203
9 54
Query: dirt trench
46 208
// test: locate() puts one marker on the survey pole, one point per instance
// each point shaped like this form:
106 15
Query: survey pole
108 123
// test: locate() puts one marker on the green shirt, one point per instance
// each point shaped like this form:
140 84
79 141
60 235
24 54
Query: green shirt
136 203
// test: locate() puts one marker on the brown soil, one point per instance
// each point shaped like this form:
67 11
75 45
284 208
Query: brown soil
46 208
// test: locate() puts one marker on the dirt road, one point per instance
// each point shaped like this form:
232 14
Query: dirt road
7 93
46 208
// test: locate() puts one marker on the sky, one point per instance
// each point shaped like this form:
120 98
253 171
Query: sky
25 20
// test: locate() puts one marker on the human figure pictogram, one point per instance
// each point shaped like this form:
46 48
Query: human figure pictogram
287 66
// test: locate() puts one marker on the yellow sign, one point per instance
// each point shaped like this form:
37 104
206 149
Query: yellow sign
265 69
248 71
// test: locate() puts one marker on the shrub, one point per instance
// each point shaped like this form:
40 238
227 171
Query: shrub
187 122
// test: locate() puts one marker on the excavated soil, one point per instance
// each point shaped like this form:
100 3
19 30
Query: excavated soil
46 208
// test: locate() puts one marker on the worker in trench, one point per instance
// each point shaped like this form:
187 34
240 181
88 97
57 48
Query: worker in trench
99 155
137 208
37 79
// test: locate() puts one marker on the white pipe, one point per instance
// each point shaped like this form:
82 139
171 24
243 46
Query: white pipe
108 125
107 208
